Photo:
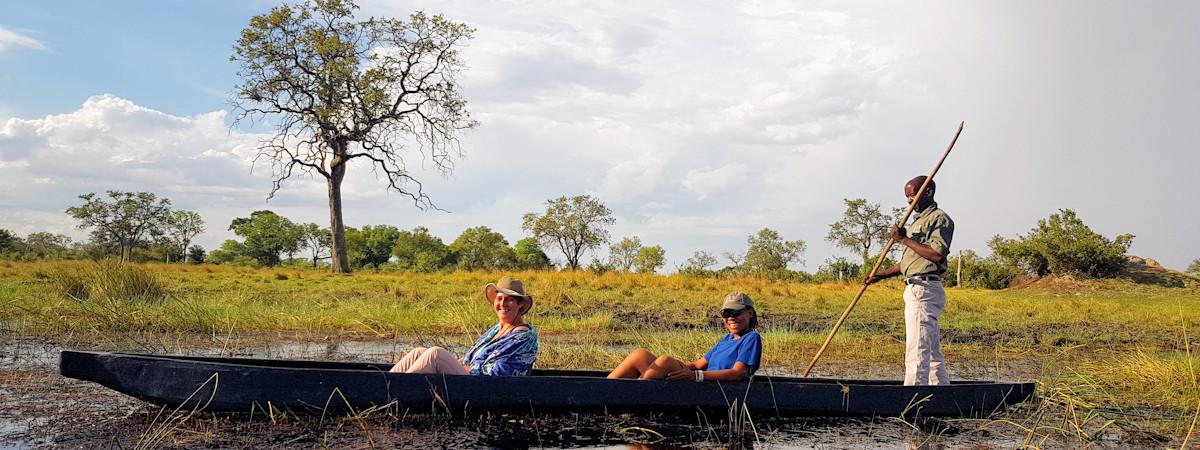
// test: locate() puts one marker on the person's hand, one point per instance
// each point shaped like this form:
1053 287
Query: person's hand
871 279
897 233
683 374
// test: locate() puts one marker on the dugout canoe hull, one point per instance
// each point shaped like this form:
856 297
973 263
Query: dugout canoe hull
248 385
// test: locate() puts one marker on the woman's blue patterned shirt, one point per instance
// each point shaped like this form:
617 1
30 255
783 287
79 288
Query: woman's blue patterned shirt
511 354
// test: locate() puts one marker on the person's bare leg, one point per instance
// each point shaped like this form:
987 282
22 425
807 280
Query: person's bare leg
446 361
661 367
407 361
634 365
437 360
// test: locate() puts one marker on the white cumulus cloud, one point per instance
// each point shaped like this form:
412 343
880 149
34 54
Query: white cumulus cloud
111 143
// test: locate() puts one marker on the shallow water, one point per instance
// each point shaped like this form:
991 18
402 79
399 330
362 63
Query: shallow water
41 408
12 428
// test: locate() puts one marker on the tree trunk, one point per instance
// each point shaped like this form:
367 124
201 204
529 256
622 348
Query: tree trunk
958 278
338 262
573 260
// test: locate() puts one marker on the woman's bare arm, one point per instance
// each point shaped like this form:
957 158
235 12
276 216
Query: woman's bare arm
739 371
688 372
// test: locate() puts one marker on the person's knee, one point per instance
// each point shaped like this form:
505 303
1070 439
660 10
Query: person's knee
641 355
417 351
431 353
662 361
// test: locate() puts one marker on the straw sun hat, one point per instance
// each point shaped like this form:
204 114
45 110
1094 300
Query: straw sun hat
511 288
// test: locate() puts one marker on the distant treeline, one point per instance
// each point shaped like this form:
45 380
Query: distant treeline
142 227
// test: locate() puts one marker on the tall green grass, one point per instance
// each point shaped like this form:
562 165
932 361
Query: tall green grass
107 280
1107 354
49 296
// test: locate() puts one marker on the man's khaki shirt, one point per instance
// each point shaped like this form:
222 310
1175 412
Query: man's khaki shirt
934 228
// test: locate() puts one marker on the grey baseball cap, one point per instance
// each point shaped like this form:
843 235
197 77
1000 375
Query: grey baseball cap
737 301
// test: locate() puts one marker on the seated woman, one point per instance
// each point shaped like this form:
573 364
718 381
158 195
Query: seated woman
735 356
508 348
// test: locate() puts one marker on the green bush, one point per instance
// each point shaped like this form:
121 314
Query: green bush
697 272
978 272
1063 245
840 270
196 254
599 267
419 251
798 276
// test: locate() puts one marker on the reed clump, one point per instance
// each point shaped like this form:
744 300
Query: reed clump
108 280
1145 397
1166 381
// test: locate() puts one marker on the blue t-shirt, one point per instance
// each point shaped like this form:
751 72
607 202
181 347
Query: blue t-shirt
747 350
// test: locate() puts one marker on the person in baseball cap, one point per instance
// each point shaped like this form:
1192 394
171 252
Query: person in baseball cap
735 356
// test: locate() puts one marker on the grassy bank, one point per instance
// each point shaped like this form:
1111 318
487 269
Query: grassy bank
1113 348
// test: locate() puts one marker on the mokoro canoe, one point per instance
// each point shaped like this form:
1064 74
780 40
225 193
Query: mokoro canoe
248 385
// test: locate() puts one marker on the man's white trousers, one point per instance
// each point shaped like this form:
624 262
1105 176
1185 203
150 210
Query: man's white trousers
924 362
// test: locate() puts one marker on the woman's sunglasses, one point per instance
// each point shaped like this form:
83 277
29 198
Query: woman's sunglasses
727 313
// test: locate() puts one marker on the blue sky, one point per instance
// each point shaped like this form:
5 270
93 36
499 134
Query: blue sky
697 123
172 55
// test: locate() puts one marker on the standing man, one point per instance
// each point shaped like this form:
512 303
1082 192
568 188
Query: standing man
927 246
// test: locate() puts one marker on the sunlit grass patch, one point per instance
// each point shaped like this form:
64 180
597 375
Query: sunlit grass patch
249 299
687 345
107 280
1152 395
796 349
594 355
1169 381
588 324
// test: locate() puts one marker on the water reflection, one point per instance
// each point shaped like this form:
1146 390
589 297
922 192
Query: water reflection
12 433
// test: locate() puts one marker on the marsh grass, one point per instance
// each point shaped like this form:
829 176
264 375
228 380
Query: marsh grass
1166 380
107 280
1146 399
672 314
1141 392
164 425
1111 352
